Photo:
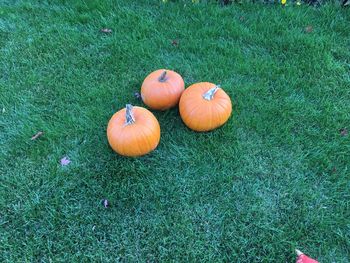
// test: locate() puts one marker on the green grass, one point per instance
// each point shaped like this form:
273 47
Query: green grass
274 178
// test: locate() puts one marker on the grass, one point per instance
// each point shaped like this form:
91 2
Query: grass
274 178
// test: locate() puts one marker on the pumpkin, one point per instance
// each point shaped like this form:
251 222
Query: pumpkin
204 106
162 89
133 131
302 258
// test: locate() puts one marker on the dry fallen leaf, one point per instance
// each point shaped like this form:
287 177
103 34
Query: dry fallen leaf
343 132
37 135
309 29
241 18
106 30
65 161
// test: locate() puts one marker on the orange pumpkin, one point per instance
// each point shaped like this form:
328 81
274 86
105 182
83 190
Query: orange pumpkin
162 89
133 131
204 106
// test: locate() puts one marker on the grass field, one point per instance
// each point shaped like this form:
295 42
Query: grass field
274 178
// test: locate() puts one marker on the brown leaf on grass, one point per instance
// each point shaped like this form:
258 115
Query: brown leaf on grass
175 42
344 132
106 30
37 135
241 18
309 29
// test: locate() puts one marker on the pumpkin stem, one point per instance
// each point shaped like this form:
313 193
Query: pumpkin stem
209 95
129 116
163 77
298 252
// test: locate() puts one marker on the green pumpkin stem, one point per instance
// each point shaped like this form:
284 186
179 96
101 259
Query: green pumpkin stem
129 116
163 77
209 95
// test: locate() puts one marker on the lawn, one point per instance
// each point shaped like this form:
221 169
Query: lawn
276 177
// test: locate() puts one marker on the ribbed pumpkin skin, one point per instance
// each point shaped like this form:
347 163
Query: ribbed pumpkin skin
162 95
200 114
135 139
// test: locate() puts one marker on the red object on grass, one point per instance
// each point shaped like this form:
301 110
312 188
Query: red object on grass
302 258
